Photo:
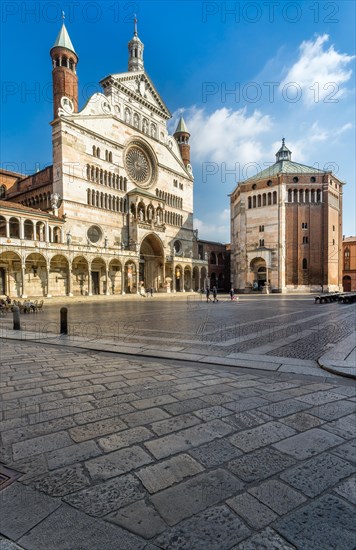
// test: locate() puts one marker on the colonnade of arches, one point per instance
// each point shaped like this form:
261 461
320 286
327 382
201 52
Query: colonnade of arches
106 201
32 230
263 199
41 201
305 195
105 177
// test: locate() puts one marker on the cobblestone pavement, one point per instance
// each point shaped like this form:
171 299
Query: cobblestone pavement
281 326
123 453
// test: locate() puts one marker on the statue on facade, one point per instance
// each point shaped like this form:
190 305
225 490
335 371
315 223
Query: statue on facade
55 198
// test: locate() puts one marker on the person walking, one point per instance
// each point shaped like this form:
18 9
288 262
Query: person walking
151 292
215 294
208 299
231 293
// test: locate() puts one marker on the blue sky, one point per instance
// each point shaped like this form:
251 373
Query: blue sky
244 75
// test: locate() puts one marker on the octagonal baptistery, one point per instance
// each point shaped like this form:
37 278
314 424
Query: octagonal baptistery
286 229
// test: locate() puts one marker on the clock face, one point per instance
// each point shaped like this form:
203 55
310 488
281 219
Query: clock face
138 166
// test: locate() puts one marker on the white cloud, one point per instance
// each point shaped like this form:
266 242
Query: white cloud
319 72
225 135
213 231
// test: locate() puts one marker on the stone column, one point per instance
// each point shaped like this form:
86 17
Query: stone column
69 285
23 275
46 233
137 267
174 278
123 280
7 228
22 229
107 280
90 293
33 230
48 295
191 280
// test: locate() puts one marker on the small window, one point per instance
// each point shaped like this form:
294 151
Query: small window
305 263
249 202
254 186
333 242
262 242
261 228
304 225
333 227
94 234
295 179
269 183
305 240
313 179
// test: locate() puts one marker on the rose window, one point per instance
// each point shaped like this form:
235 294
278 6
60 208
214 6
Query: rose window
138 166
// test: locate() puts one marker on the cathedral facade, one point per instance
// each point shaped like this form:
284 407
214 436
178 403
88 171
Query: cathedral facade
114 212
286 229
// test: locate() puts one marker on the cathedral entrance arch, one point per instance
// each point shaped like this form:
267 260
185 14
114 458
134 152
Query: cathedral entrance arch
259 269
151 262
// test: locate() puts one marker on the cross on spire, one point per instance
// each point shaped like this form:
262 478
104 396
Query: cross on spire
135 25
63 16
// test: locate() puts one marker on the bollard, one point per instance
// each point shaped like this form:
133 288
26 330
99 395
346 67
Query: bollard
64 321
16 312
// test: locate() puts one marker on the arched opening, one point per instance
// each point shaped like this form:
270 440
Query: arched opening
10 274
115 277
213 280
204 280
130 278
196 278
58 276
151 272
187 279
259 268
2 226
36 275
80 272
40 231
305 263
213 258
178 273
97 274
14 228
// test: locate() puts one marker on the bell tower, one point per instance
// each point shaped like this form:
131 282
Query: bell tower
182 136
64 74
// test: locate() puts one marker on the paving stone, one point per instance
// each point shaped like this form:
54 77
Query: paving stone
186 406
210 413
309 443
41 444
215 399
260 464
174 424
347 489
144 417
115 411
140 518
154 401
317 474
186 394
246 404
346 451
188 438
256 514
247 419
31 467
277 386
35 430
164 474
74 453
334 410
62 482
325 523
320 397
22 508
215 453
301 421
344 427
265 540
284 408
190 497
96 429
277 495
6 544
84 390
68 528
249 440
108 496
214 529
124 438
117 463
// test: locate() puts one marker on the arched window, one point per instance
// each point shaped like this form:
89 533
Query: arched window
301 195
94 150
64 61
290 196
307 195
98 152
274 197
269 199
312 195
305 263
110 156
264 199
347 259
259 200
88 196
318 196
254 201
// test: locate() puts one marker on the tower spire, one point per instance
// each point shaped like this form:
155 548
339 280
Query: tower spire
136 48
64 73
182 136
283 152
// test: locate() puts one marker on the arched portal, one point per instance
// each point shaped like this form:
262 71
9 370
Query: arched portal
98 276
151 262
187 279
196 286
259 268
80 272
